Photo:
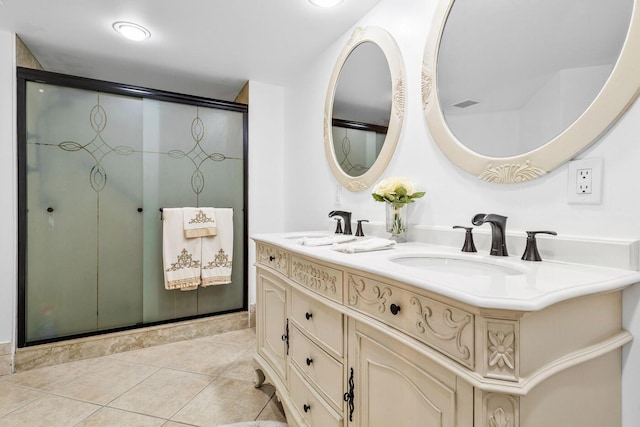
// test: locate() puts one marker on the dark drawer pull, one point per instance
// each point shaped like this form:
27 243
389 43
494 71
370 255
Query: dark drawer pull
309 361
306 408
308 315
272 258
395 309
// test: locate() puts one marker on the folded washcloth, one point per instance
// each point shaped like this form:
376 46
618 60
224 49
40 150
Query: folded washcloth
368 245
324 241
199 222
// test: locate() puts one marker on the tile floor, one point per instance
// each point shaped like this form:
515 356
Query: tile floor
202 382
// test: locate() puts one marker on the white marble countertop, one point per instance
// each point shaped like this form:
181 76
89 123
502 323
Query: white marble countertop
529 286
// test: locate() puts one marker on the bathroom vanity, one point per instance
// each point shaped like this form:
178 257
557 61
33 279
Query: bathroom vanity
422 335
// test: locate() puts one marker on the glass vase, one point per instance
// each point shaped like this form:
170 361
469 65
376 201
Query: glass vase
397 222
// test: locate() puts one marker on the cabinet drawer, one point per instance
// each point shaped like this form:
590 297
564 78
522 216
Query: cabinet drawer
443 327
319 321
323 370
273 257
312 408
324 280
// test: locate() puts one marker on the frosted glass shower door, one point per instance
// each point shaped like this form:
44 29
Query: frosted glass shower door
84 233
97 163
193 156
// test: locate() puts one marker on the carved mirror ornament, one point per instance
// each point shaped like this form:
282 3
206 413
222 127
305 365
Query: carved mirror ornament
496 84
364 108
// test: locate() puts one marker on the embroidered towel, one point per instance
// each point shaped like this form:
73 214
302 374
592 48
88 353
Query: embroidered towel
199 222
217 252
181 257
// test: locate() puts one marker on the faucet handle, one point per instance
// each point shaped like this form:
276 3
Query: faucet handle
359 231
468 245
531 250
338 226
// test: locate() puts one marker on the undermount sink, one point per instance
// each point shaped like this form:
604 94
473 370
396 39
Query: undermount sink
459 266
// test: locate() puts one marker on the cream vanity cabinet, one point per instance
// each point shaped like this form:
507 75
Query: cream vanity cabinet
345 347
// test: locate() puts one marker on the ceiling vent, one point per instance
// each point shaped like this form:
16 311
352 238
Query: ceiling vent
466 103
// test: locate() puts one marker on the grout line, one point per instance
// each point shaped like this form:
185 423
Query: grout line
265 405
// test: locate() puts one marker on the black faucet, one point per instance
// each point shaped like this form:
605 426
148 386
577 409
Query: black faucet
346 217
498 227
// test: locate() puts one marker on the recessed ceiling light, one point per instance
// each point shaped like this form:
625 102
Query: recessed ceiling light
325 3
131 31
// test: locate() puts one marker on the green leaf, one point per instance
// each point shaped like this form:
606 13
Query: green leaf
418 194
401 191
377 197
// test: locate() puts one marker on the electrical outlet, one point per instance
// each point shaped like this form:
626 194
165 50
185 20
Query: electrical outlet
584 183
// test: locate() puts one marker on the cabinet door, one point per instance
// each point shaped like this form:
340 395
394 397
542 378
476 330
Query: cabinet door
272 324
396 386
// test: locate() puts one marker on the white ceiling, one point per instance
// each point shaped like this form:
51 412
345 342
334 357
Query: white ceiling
202 47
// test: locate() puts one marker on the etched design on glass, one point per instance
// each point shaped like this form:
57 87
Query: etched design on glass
501 348
379 295
98 148
221 259
510 173
200 218
351 169
184 260
314 277
456 327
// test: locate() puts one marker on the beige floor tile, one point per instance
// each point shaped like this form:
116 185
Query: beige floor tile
243 337
14 396
203 357
175 424
106 383
273 411
225 401
160 355
109 417
244 368
53 376
163 393
50 411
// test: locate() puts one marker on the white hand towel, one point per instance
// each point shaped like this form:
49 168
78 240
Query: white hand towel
199 222
217 251
323 241
368 245
181 257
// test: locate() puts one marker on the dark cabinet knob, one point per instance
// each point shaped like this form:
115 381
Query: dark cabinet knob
309 361
306 408
272 258
395 309
50 209
140 209
308 315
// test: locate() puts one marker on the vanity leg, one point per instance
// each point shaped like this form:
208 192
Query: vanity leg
259 378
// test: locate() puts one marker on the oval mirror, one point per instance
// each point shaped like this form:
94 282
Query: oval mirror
364 108
512 90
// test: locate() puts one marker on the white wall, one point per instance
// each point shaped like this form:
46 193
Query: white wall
8 190
454 196
266 165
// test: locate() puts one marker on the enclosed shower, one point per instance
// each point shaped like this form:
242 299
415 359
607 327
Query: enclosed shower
97 164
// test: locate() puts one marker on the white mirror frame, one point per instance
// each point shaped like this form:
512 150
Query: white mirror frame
391 51
617 95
